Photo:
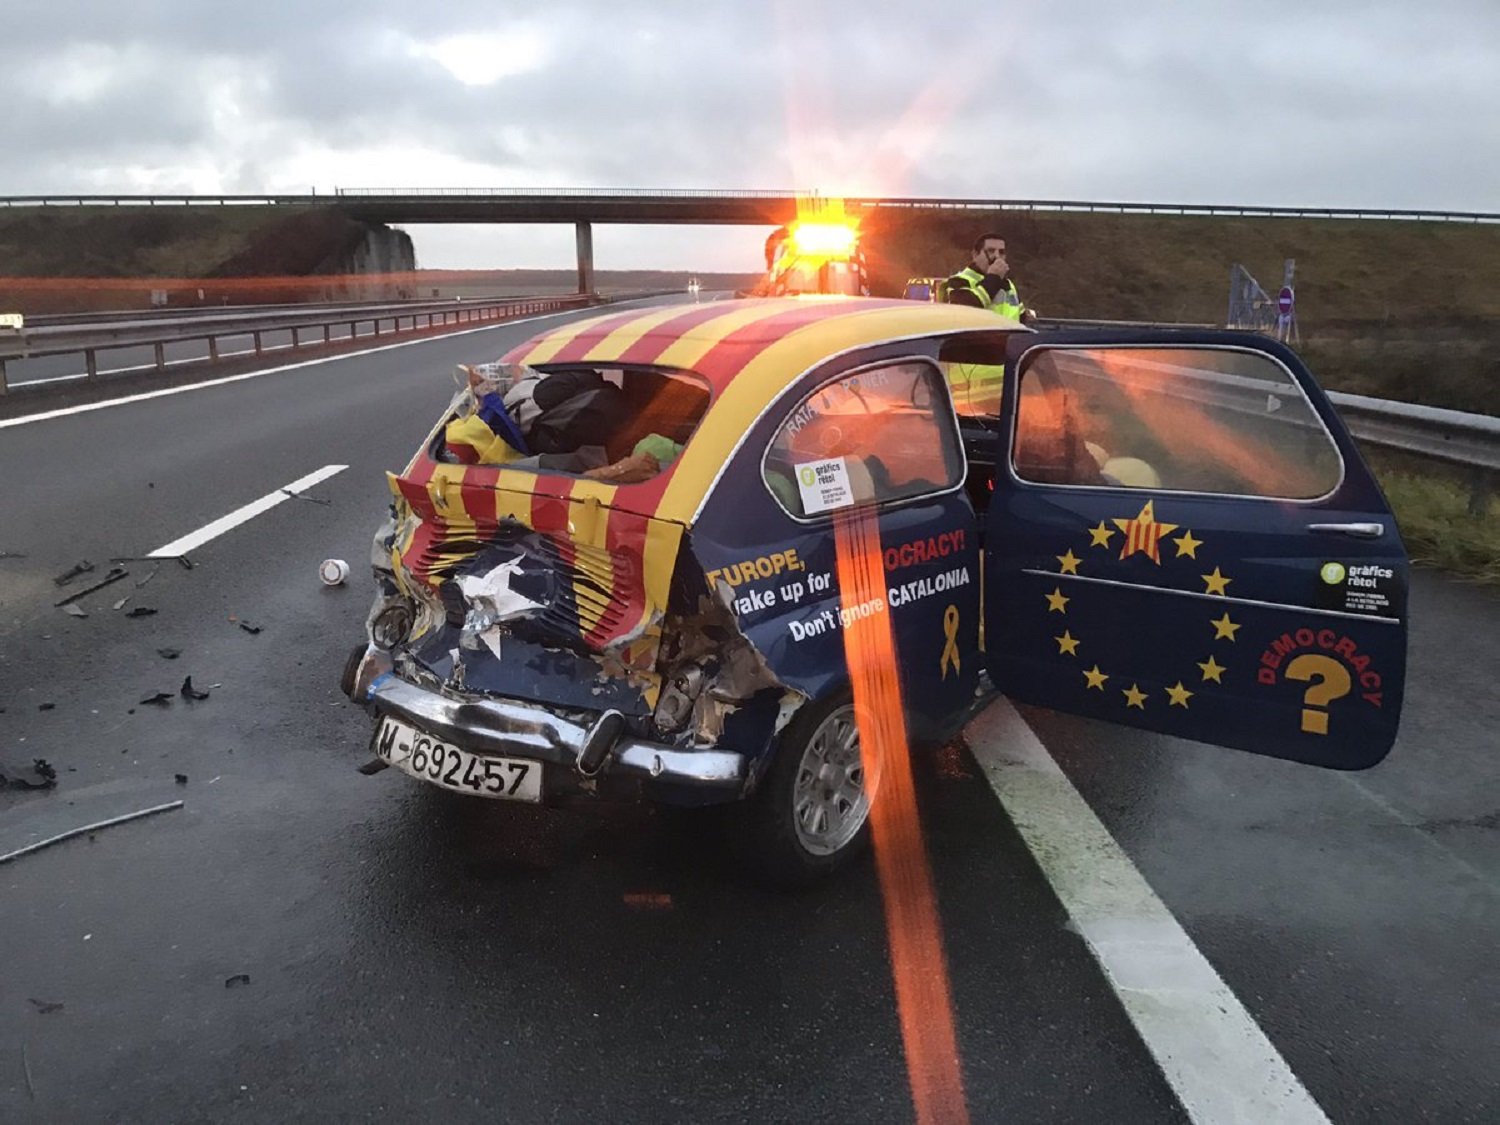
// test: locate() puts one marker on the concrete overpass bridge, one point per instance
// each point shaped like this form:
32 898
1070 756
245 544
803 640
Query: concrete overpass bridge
661 206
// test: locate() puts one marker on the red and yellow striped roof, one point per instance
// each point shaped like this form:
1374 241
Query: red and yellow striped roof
748 351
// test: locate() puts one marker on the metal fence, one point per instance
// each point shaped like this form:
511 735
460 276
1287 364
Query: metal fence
646 195
64 336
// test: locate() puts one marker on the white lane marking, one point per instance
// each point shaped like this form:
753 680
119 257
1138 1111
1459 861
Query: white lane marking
195 539
1215 1057
88 406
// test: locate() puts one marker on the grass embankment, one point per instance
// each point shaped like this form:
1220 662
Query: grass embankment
1432 503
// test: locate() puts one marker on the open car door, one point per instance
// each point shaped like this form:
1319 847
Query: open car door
1182 537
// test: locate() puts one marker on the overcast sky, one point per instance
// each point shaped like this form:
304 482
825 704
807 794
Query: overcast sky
1319 103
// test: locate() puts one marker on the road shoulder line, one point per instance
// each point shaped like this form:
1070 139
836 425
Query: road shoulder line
1215 1057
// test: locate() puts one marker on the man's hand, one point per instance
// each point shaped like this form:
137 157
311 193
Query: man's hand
997 266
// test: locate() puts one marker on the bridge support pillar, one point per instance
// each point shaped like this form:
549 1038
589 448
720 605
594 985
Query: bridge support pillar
585 257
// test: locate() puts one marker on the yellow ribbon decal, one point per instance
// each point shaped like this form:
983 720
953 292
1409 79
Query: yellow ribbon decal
950 650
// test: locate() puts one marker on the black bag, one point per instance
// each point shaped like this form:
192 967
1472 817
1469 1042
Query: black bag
554 390
587 418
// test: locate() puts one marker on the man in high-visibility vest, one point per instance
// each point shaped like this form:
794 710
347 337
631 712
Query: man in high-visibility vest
985 283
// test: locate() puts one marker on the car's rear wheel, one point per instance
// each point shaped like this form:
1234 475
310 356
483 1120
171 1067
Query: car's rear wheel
811 814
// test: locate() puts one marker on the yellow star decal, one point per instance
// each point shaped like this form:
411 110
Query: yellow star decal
1224 628
1069 562
1212 669
1187 545
1217 583
1056 601
1180 695
1144 534
1095 677
1134 697
1067 643
1100 535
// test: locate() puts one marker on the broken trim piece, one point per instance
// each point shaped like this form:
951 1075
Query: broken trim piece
68 835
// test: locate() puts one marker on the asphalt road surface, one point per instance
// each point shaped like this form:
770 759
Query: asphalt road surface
301 941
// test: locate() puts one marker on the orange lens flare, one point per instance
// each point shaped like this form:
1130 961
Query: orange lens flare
823 240
919 967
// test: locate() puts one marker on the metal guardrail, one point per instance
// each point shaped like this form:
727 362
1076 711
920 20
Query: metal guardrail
626 195
1454 436
157 332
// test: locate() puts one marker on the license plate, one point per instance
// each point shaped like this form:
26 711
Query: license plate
432 759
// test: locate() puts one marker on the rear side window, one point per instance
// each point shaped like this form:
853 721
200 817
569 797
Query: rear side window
1216 420
880 435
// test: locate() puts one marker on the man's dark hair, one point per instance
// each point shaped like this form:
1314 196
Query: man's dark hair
983 238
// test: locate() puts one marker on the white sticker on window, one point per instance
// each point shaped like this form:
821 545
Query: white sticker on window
824 485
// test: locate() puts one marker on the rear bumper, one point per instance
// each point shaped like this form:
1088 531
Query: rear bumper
516 728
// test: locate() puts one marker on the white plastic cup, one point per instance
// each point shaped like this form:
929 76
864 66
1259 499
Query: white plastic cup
333 571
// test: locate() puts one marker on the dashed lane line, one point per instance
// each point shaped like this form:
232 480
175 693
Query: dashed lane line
195 539
1217 1060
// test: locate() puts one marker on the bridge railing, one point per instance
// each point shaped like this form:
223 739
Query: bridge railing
855 203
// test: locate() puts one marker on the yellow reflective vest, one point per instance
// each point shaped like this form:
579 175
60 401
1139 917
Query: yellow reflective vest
1006 303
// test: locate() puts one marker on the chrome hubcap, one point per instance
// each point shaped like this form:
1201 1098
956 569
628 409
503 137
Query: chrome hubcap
829 802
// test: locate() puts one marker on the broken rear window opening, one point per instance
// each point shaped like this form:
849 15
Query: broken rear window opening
616 424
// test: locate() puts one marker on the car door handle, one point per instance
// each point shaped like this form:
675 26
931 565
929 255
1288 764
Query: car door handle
1358 530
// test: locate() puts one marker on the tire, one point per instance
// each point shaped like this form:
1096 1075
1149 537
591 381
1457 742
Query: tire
810 816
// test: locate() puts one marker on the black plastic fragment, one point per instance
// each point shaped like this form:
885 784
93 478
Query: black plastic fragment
249 628
115 574
83 566
181 778
237 981
169 653
373 766
140 611
46 1007
161 699
190 692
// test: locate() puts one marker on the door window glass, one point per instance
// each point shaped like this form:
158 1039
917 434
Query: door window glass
1180 419
879 435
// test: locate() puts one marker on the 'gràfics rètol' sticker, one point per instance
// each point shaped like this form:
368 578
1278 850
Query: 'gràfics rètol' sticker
1350 587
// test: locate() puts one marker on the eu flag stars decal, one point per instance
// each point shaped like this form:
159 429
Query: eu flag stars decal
1150 555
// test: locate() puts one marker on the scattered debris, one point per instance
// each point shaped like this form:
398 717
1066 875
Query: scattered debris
161 699
190 692
115 574
46 777
333 571
373 766
648 900
309 499
81 567
237 981
187 563
169 653
148 577
140 611
46 1007
68 835
119 605
12 555
73 611
245 625
180 778
45 706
